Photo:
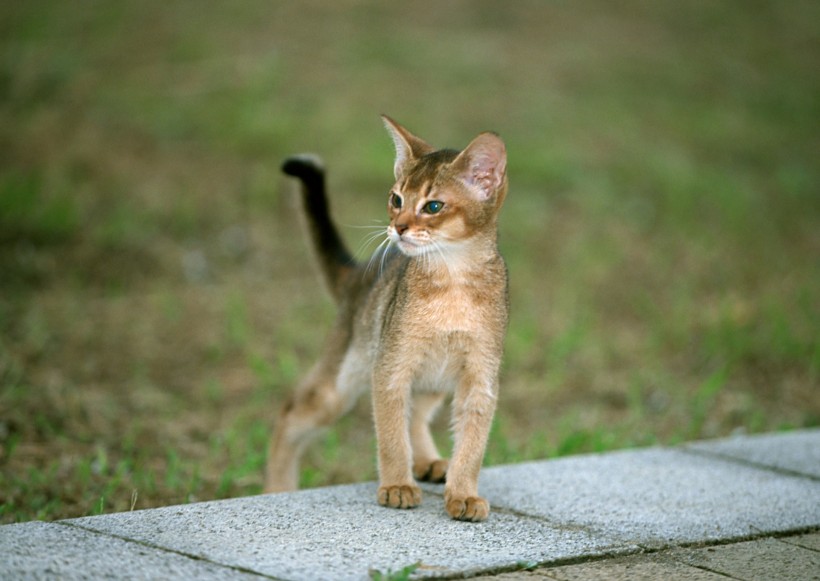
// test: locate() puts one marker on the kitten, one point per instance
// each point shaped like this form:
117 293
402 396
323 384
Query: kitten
425 318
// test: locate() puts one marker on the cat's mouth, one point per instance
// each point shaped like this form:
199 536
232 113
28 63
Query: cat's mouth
410 247
408 244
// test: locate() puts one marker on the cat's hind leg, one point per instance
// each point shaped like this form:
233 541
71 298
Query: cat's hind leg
428 465
303 416
311 409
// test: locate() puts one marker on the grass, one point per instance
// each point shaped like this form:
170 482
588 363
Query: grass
158 301
402 574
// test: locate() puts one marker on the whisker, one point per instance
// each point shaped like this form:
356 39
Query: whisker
437 246
376 228
374 255
429 254
379 253
368 240
424 259
384 254
373 236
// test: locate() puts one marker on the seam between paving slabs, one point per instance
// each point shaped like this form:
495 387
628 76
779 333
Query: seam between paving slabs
464 574
168 550
614 552
574 527
780 537
759 535
621 550
796 544
643 551
641 548
749 463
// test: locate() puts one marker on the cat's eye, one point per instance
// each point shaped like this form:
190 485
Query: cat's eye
395 200
433 207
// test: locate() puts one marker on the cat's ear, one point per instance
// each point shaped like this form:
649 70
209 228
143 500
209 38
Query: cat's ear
409 148
483 164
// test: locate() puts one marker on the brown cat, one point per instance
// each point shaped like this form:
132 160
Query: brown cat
425 318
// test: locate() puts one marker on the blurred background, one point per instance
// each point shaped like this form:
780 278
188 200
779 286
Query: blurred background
158 299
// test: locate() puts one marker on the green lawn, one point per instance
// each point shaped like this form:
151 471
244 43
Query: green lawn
158 299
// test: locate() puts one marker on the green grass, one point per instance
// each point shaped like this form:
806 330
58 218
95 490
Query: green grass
29 211
402 574
158 301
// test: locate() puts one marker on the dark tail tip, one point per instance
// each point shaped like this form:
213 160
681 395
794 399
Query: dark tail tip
304 166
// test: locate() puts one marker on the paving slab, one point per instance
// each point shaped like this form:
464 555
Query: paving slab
764 559
758 560
341 532
656 497
797 452
597 511
807 541
631 568
39 550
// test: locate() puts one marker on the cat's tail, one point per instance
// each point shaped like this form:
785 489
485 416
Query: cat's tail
334 258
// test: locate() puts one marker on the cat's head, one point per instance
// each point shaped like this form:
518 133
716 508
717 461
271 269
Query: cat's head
444 199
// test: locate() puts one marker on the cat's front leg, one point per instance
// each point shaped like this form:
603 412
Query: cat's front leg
428 465
473 409
391 395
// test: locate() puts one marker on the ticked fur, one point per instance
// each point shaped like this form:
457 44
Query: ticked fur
428 320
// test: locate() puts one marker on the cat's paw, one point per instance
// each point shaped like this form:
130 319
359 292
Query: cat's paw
403 496
431 471
469 508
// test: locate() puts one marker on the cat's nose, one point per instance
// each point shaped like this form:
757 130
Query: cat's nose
401 228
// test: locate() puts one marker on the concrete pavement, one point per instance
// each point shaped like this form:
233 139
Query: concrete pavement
745 507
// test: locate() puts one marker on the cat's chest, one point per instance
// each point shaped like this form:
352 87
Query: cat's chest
455 309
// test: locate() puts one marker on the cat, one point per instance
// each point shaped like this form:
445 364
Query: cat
424 318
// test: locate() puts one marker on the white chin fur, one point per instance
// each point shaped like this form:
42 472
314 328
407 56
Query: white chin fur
406 246
409 248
